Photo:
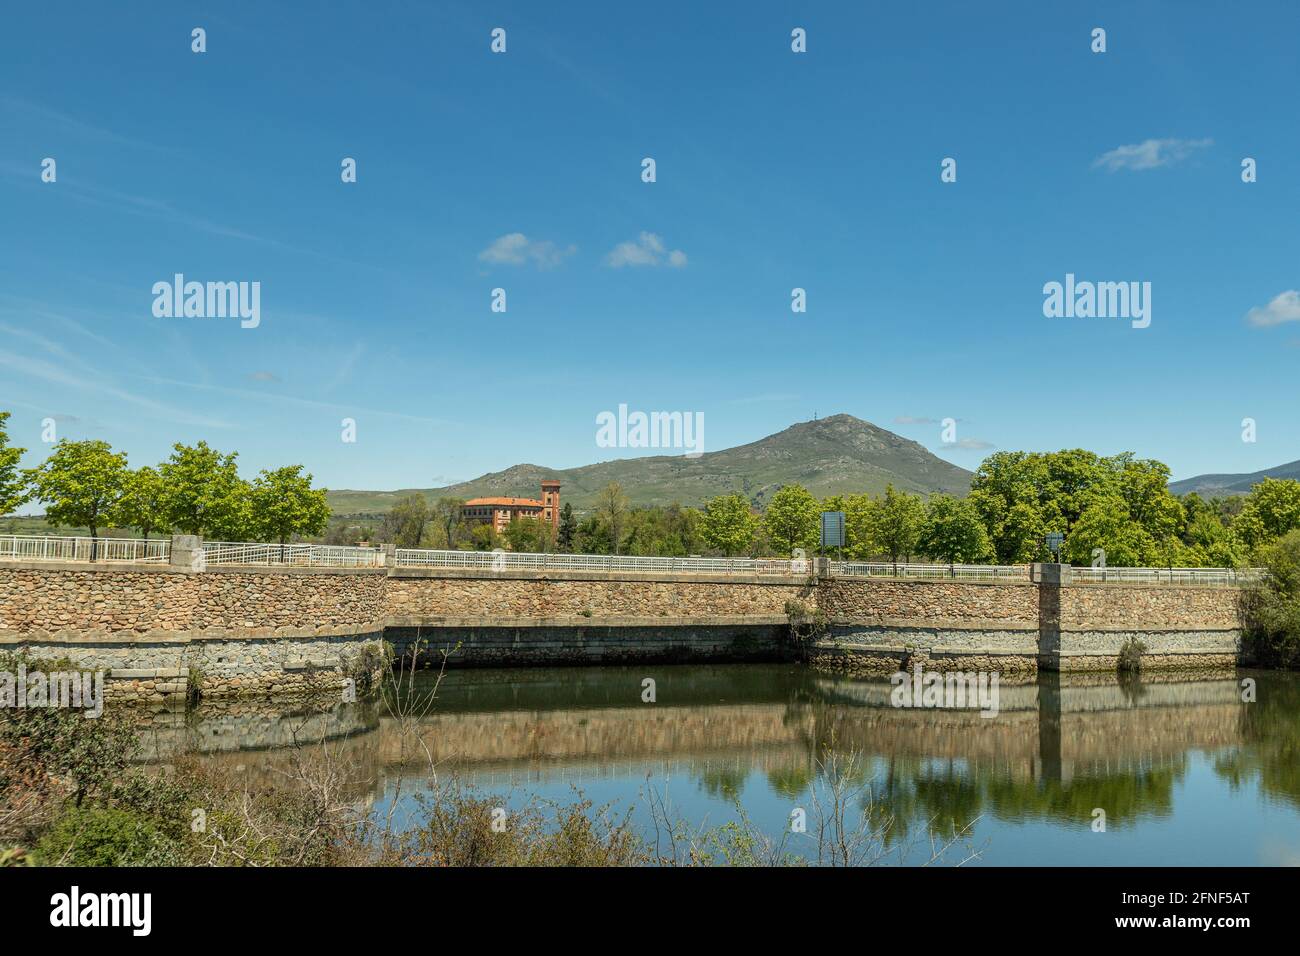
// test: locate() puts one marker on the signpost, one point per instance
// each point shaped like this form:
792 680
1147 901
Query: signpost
833 531
1054 542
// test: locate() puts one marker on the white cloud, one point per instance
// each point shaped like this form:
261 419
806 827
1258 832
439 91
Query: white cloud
516 249
1285 307
1150 154
647 250
914 420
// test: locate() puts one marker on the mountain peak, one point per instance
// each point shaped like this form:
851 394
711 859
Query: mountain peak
838 454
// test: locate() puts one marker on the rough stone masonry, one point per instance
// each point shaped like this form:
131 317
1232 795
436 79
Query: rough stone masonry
162 631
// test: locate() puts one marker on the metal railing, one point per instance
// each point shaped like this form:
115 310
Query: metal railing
17 547
510 560
291 555
968 572
23 547
1227 577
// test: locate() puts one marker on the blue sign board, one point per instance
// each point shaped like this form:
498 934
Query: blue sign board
832 529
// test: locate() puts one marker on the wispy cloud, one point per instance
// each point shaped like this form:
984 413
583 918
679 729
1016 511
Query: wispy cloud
1149 154
1285 307
971 444
278 399
36 368
262 376
647 250
516 249
914 420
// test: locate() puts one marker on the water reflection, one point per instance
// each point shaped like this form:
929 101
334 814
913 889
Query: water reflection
1158 754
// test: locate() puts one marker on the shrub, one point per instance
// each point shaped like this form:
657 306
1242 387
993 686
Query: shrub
94 835
1270 610
1130 655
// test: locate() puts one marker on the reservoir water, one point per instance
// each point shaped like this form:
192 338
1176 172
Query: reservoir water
1087 770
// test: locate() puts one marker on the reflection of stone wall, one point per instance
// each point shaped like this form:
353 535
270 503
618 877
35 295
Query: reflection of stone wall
631 641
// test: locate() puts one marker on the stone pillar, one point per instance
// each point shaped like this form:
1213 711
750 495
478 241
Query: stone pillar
1056 574
187 553
388 559
1049 578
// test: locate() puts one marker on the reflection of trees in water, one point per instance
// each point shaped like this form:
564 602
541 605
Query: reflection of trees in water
790 781
1270 728
1126 797
725 783
905 794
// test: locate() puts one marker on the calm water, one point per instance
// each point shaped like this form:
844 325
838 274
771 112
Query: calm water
1186 772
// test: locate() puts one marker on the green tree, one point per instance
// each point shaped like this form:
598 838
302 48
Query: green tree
1271 608
13 481
81 483
405 522
611 506
446 511
141 504
203 494
897 521
729 524
568 528
1271 510
1144 486
529 534
791 519
1007 490
1211 543
859 535
1105 525
954 531
283 504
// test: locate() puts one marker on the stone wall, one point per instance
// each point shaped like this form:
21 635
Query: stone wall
158 632
1179 626
881 625
424 596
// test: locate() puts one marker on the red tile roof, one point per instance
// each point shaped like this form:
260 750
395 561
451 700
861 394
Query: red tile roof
512 502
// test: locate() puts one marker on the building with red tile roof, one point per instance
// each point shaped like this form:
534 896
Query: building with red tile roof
501 511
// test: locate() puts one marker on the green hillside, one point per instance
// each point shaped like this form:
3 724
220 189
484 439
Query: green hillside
840 454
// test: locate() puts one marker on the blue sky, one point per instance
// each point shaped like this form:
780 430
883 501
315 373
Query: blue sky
774 170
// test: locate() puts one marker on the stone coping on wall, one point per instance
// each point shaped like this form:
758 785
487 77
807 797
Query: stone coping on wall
525 574
933 623
846 647
929 579
1153 629
153 567
581 621
160 636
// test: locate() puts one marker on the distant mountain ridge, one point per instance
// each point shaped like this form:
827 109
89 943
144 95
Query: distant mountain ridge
1210 486
836 455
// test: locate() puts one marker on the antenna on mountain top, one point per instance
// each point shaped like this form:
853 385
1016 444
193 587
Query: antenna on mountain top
814 414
